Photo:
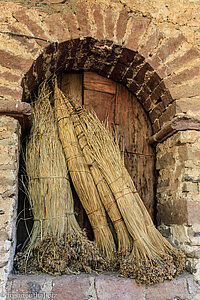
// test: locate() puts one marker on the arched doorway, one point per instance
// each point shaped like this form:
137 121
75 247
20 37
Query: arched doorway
117 106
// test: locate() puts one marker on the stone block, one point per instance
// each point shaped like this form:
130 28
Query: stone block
71 287
173 211
168 114
117 288
110 19
31 287
11 93
156 112
185 59
121 25
72 23
14 62
165 161
59 29
99 21
83 18
32 24
137 28
151 42
193 209
189 89
167 290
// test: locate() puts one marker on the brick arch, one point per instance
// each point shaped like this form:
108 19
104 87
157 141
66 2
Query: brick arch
109 60
162 70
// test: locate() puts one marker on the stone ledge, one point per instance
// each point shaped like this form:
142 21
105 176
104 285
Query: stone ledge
179 123
18 110
101 287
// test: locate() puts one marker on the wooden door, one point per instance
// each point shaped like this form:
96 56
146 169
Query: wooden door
113 103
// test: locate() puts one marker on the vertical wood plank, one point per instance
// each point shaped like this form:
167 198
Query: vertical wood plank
71 85
134 130
99 95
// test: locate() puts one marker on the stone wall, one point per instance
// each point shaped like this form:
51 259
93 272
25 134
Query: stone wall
9 152
178 194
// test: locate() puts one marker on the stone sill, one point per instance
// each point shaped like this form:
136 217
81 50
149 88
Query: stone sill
97 287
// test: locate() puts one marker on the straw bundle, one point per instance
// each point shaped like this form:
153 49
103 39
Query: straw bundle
105 193
152 258
57 244
82 179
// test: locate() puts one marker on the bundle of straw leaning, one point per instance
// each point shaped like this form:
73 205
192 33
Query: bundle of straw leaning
152 258
105 193
57 244
82 179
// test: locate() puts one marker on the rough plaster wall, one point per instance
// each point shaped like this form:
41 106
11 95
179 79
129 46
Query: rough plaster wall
9 151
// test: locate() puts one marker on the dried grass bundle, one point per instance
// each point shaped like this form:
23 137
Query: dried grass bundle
105 193
152 258
56 235
81 176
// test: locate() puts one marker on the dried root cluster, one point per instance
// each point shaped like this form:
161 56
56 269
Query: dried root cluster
66 255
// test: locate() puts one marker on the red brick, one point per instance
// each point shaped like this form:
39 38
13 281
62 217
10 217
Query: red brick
167 290
121 25
156 126
110 19
10 61
170 46
157 93
10 77
72 23
133 87
83 18
153 81
24 19
137 62
116 288
167 48
156 111
71 287
98 18
118 72
182 60
168 114
128 76
139 26
187 90
141 74
29 43
143 94
127 56
56 27
11 93
148 104
172 212
25 287
151 42
193 209
186 75
166 98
